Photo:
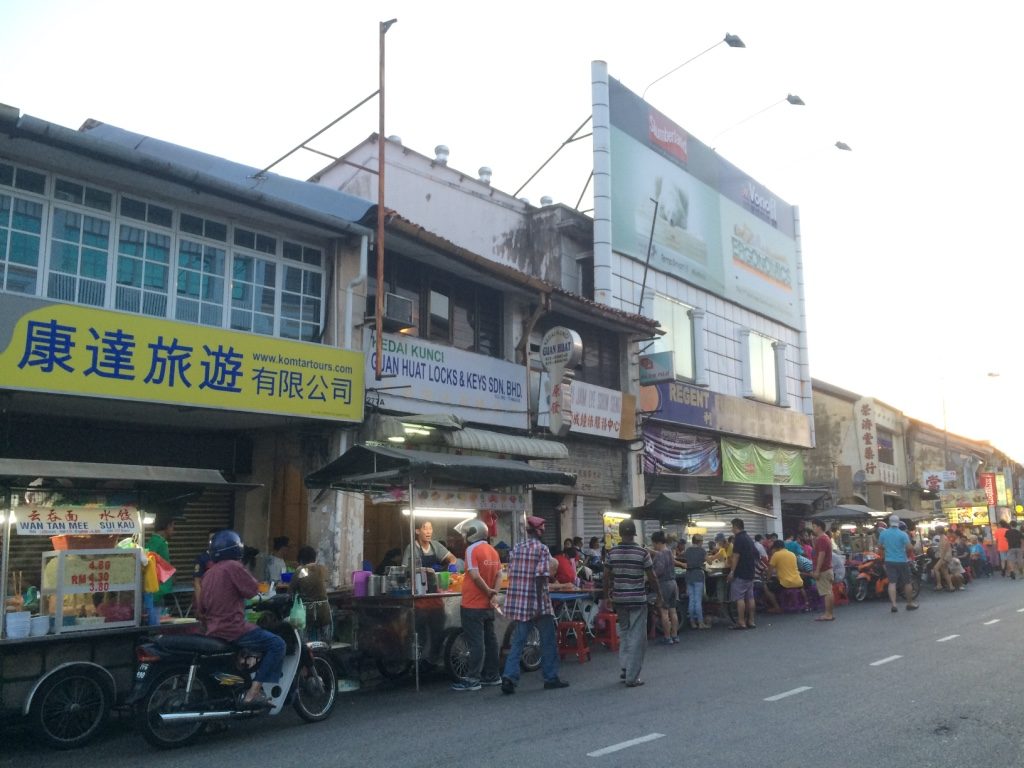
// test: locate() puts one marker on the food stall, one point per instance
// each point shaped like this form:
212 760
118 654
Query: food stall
71 605
410 617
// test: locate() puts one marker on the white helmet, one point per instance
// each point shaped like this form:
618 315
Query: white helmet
473 530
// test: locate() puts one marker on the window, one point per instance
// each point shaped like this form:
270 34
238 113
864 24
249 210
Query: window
886 454
439 309
253 291
763 380
143 265
21 225
301 293
79 252
677 322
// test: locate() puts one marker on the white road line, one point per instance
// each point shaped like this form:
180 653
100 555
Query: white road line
994 621
794 692
1020 610
886 660
947 637
625 744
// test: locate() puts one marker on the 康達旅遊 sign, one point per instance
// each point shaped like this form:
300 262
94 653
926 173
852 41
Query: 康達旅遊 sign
93 352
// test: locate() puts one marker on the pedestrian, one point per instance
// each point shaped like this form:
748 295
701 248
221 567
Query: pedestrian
276 564
694 558
999 534
897 551
822 572
627 567
665 570
479 600
1014 553
528 604
741 575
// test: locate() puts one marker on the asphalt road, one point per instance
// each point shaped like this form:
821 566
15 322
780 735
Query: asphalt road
935 687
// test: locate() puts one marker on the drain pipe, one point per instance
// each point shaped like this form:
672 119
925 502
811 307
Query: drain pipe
523 347
360 279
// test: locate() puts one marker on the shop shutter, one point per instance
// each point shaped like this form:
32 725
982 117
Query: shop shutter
746 493
214 509
593 517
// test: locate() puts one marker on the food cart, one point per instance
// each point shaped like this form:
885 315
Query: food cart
67 666
408 623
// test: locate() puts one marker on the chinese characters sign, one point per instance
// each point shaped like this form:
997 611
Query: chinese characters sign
93 352
867 430
73 520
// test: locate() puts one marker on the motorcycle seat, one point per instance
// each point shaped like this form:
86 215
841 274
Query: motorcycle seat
192 644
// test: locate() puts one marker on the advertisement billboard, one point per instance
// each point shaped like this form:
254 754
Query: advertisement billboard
713 226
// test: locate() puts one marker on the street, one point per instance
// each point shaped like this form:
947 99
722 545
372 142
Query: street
936 687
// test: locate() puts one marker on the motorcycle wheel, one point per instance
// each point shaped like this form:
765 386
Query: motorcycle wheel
860 591
167 696
915 587
393 669
456 656
315 702
70 708
530 660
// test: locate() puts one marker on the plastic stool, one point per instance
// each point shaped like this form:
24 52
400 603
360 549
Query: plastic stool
606 631
792 599
572 638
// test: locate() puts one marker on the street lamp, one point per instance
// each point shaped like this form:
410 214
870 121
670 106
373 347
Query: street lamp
733 41
379 303
791 98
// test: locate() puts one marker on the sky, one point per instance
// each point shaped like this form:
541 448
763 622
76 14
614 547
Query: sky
908 239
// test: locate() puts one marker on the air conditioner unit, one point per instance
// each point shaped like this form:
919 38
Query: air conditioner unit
397 312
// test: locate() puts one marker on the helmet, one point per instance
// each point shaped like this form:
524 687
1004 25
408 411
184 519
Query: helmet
473 530
536 524
225 545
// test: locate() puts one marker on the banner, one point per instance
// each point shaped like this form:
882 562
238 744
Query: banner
937 479
963 498
968 515
988 485
74 350
670 452
748 462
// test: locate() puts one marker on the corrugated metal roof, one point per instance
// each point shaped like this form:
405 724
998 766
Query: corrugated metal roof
511 445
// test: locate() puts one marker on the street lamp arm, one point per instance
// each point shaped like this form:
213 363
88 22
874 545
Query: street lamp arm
791 98
733 41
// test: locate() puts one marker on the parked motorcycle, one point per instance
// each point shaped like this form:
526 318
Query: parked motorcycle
872 581
184 682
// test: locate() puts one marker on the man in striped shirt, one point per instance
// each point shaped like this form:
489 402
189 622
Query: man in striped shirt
629 566
528 604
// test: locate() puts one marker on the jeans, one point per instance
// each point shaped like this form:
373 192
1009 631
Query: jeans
695 592
548 648
632 627
478 626
272 647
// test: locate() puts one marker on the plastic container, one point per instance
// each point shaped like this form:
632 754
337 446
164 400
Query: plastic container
442 580
40 625
286 577
360 579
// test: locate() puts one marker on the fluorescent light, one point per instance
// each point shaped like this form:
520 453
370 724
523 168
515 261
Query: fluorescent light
397 439
709 523
848 527
618 515
446 512
148 519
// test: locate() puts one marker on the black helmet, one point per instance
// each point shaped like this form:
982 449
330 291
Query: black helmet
226 545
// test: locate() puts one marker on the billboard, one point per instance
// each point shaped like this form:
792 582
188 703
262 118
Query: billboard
713 226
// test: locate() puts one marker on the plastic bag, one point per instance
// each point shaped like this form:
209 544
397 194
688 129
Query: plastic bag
297 616
150 582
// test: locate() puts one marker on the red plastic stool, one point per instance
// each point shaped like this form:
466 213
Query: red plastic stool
606 631
839 595
792 599
572 638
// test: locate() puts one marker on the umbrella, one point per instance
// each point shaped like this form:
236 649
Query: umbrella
852 512
680 507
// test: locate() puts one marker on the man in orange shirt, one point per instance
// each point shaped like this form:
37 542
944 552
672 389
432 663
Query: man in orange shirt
479 600
1002 546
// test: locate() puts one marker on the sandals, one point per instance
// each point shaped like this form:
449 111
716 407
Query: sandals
260 701
738 626
635 683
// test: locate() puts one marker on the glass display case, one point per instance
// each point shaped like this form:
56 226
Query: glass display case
87 589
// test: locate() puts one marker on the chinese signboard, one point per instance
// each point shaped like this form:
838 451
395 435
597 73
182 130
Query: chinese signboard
864 410
593 410
937 479
83 351
74 520
431 378
761 464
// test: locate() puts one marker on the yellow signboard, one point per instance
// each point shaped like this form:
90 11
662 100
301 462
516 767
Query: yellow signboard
93 352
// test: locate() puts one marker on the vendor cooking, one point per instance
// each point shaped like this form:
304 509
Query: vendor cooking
430 553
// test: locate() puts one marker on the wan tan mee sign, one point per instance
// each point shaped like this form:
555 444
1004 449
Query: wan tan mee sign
75 520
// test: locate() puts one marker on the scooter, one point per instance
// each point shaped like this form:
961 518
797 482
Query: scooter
872 580
185 682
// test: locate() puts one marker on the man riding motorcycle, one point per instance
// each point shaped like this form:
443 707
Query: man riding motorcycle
226 586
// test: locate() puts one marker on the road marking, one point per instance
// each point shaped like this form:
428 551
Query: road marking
886 660
1020 610
994 621
947 637
794 692
625 744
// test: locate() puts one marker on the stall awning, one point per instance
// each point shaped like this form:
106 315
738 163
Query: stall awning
848 512
803 497
366 467
25 472
512 445
682 506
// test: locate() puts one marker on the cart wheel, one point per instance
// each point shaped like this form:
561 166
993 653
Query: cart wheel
456 656
530 660
393 669
70 708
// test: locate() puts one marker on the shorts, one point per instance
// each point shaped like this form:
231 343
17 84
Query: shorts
824 583
1015 556
898 574
669 593
1004 555
741 589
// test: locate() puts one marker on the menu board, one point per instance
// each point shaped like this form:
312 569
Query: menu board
88 573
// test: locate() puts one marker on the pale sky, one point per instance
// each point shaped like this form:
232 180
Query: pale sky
908 240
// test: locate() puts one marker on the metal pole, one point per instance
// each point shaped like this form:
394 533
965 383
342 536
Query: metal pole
6 559
378 323
647 263
412 583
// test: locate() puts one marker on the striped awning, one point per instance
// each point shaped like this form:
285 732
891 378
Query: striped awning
510 445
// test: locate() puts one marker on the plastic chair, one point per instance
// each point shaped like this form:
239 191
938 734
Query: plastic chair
792 599
572 638
606 631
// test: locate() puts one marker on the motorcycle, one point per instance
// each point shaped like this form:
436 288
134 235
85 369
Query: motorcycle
872 581
185 682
